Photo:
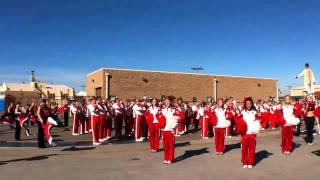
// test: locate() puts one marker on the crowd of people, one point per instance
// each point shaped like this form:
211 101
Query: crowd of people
164 119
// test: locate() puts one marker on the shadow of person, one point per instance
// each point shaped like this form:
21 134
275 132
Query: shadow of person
231 147
182 144
73 148
295 146
190 153
261 155
34 158
317 152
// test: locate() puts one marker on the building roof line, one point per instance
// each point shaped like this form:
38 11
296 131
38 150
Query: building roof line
201 74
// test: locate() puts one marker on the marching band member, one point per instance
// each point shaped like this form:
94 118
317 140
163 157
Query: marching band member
288 121
128 121
75 111
153 125
84 122
168 122
309 118
182 108
204 120
66 114
248 125
222 123
88 118
102 120
195 109
265 115
43 114
95 121
138 113
47 127
17 112
118 112
188 118
317 114
32 113
109 112
298 112
275 114
22 120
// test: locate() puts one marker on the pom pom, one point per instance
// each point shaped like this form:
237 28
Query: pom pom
213 120
256 127
162 121
293 122
241 126
172 121
281 121
149 118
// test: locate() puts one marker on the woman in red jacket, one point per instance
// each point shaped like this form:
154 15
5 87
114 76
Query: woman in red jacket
248 125
153 125
289 120
223 121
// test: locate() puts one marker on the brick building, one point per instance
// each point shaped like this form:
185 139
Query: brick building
34 90
129 84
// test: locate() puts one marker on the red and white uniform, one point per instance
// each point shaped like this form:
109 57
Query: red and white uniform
47 127
47 124
75 111
138 113
95 122
182 125
196 118
290 120
85 123
204 121
265 115
118 113
223 122
108 119
249 124
23 118
171 123
153 126
103 122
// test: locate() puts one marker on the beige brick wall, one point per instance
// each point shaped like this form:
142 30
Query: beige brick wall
131 84
95 80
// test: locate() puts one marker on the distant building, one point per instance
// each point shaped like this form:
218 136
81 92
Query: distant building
35 90
298 92
130 84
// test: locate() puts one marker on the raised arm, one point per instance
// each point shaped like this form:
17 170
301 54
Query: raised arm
300 75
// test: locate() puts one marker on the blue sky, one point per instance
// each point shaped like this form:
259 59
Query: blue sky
63 40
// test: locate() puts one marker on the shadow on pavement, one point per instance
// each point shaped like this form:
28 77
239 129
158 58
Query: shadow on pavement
295 146
73 148
261 155
317 152
176 145
231 147
34 158
191 153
